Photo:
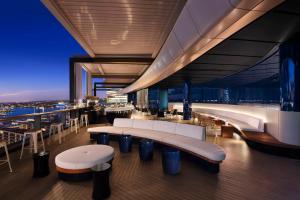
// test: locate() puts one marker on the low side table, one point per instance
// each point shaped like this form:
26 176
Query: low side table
227 131
101 188
41 164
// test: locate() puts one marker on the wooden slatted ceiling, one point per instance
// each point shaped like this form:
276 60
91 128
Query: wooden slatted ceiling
107 71
122 27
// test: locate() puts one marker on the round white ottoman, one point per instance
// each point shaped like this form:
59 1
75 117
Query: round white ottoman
76 163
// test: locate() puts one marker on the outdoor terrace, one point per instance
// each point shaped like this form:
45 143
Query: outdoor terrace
244 174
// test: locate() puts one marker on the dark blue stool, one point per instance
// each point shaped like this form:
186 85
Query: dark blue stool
125 143
171 161
102 138
146 149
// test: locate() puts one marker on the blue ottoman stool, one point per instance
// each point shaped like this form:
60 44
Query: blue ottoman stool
125 143
102 138
171 161
146 149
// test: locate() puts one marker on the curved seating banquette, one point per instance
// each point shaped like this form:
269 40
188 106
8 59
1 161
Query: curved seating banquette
241 121
189 138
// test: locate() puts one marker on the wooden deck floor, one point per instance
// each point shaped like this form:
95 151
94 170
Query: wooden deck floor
245 174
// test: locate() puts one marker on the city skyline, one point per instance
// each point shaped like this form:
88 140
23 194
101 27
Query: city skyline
35 51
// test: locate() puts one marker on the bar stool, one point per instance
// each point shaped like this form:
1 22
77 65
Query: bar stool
74 123
56 127
102 138
33 134
84 119
125 143
7 160
171 161
146 149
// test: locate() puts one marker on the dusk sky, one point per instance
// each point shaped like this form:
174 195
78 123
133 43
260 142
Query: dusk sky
34 53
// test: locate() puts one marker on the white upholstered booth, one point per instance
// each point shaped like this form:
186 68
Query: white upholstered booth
186 137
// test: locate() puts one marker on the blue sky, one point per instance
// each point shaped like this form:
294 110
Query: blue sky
34 53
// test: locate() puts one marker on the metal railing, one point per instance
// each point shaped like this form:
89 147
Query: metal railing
10 137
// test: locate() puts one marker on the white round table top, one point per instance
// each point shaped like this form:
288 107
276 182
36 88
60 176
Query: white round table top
84 157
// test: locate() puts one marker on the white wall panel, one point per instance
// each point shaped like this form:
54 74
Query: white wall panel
202 10
185 29
173 46
289 127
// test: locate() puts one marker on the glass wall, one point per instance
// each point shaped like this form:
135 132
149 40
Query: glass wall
228 95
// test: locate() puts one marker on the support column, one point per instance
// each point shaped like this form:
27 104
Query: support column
187 103
78 76
142 98
289 116
72 84
89 84
132 98
95 89
163 99
290 77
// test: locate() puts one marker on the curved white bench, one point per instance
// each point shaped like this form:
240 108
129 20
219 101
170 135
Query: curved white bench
241 121
81 159
186 137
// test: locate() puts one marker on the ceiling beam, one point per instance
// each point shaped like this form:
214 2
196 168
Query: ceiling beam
114 60
109 83
99 87
100 69
121 76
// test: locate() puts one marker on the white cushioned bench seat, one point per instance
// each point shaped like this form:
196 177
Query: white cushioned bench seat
207 150
108 129
84 157
151 134
184 136
241 121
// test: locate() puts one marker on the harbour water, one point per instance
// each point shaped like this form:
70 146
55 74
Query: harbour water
26 110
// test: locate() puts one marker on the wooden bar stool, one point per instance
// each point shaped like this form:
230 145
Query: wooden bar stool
56 127
7 160
84 119
33 135
74 123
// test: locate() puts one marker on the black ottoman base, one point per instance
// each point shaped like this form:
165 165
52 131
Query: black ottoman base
75 177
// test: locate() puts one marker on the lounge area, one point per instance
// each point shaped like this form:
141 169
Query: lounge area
129 181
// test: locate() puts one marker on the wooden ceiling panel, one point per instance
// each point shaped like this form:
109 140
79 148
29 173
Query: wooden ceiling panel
118 27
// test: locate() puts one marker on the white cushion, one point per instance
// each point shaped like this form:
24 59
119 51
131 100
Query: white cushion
107 129
208 150
150 134
164 126
193 131
123 122
84 157
143 124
